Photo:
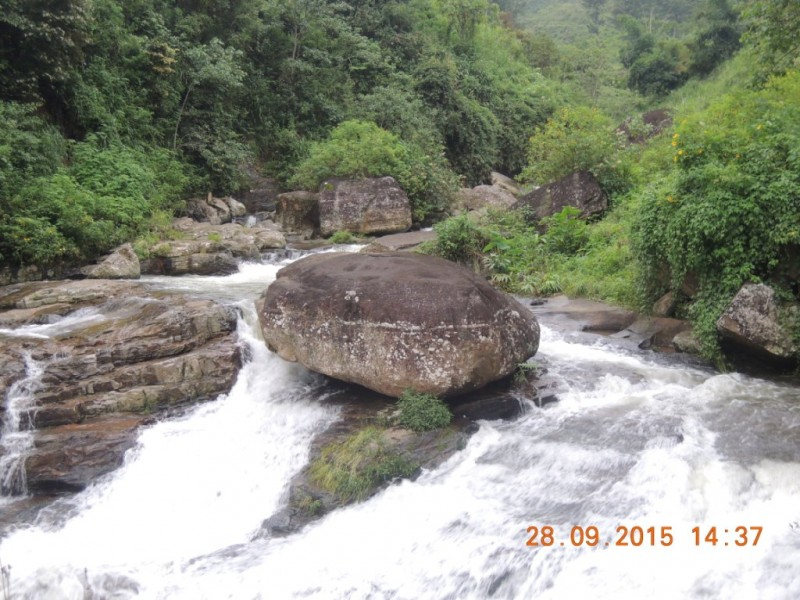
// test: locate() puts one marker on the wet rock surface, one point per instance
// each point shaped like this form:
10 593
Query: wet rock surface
207 249
396 321
396 242
306 501
112 354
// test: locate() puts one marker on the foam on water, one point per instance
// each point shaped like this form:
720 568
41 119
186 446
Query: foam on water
634 440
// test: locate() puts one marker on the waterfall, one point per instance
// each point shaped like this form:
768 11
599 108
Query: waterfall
16 440
636 440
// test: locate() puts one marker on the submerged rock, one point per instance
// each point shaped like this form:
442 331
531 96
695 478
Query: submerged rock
394 321
388 453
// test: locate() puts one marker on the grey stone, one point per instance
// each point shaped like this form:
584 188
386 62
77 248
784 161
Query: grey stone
395 321
366 206
122 263
580 190
755 322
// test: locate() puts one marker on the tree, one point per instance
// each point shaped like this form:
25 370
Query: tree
657 72
773 27
209 74
594 7
718 36
41 44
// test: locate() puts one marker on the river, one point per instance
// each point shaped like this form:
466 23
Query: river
636 441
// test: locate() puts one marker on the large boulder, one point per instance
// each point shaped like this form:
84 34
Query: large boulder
394 321
209 210
366 206
122 263
506 183
298 213
262 195
755 323
484 196
580 190
178 257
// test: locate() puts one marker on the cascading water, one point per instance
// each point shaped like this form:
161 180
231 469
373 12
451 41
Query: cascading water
16 438
636 440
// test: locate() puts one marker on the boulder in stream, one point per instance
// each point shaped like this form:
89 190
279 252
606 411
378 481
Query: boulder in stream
755 323
366 206
395 321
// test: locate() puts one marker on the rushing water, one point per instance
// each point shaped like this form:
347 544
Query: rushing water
16 436
636 439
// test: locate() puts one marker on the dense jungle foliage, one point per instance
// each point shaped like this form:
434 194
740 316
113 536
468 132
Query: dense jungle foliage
113 113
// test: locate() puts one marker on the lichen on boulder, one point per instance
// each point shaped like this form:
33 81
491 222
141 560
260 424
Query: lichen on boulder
395 321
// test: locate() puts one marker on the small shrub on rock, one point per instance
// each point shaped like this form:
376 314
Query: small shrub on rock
342 237
422 412
354 468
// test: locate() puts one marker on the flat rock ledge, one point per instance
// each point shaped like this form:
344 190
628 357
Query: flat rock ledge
112 355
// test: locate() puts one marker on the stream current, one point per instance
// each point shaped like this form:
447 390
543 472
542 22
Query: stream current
636 440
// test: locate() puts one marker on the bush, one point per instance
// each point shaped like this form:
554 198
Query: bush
566 233
575 139
656 73
29 147
459 239
104 198
422 412
362 149
342 237
730 207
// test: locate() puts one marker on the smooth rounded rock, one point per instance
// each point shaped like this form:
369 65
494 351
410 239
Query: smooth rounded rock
396 321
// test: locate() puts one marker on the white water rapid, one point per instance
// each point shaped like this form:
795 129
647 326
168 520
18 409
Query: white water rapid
16 436
636 439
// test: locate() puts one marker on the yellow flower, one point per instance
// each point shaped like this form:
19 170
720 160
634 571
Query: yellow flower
676 136
674 143
680 152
